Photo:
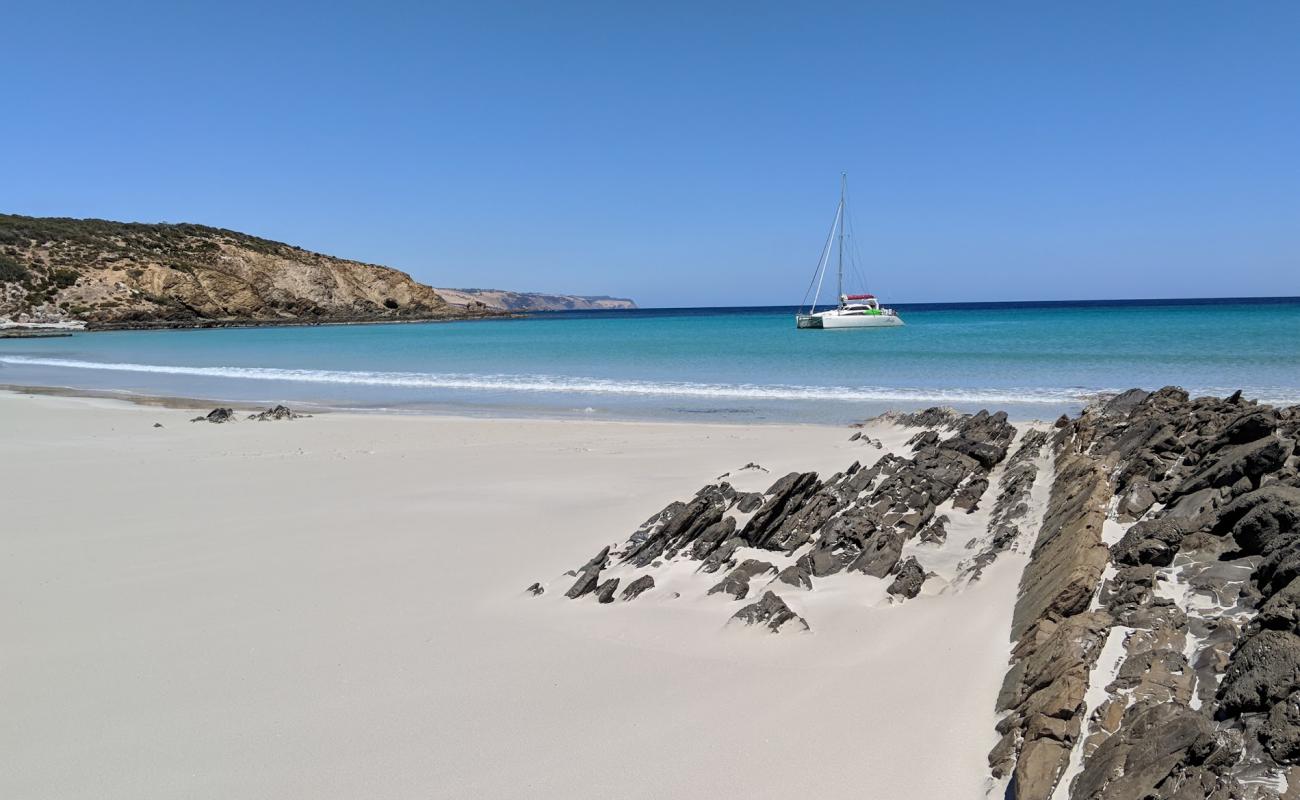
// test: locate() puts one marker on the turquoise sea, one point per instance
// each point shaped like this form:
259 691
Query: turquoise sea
744 364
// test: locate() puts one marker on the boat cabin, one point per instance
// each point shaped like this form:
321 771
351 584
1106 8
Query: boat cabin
860 302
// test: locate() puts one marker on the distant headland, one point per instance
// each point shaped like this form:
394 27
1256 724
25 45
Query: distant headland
111 275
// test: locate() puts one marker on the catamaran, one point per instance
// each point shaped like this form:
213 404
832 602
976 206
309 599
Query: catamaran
854 310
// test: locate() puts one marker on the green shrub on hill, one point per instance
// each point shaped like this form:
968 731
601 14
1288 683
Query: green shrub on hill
11 270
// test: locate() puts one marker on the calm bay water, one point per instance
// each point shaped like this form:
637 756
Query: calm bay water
1034 360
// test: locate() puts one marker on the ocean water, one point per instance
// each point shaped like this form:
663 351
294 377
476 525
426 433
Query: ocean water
742 364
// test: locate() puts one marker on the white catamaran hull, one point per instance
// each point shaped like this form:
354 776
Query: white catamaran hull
860 321
833 320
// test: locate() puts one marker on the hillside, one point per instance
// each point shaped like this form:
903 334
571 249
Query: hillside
533 301
133 275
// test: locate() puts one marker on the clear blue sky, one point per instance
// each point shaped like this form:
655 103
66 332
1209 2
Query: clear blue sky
685 154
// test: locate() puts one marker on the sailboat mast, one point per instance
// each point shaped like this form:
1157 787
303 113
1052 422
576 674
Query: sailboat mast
840 279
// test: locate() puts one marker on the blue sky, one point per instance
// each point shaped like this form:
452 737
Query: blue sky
686 153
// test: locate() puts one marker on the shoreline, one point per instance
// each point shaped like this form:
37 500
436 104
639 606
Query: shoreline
478 412
180 403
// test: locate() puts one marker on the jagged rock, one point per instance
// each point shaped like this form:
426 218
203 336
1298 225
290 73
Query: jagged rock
1053 674
784 498
923 439
159 424
1149 542
675 529
1280 733
1196 507
881 553
1249 461
721 556
749 502
1137 500
736 582
934 417
801 523
1124 403
1154 741
1057 638
1263 670
589 575
1037 768
217 415
907 584
771 611
276 413
1262 520
936 532
638 587
535 589
605 592
1160 674
1282 610
1068 556
856 436
798 574
968 496
712 538
1249 427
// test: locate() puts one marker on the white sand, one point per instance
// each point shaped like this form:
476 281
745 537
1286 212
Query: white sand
333 608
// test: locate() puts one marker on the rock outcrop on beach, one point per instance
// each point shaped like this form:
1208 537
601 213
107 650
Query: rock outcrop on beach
131 275
503 300
1155 635
877 524
1156 650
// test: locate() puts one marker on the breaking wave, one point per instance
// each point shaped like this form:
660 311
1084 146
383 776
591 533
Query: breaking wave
554 384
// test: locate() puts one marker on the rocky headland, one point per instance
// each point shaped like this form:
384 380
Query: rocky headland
69 272
1154 641
503 300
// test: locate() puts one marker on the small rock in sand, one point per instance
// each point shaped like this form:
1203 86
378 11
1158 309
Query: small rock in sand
279 412
217 415
535 589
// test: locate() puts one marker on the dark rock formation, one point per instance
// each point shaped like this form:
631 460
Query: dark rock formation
217 415
1280 733
1057 639
798 574
1263 520
784 498
638 587
1264 670
736 582
1157 745
605 592
1205 699
771 612
276 413
1151 542
589 575
907 584
535 589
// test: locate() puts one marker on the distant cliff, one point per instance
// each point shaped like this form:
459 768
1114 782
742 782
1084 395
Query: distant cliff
532 301
117 274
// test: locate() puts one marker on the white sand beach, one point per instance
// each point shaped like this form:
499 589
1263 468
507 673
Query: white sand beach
333 608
